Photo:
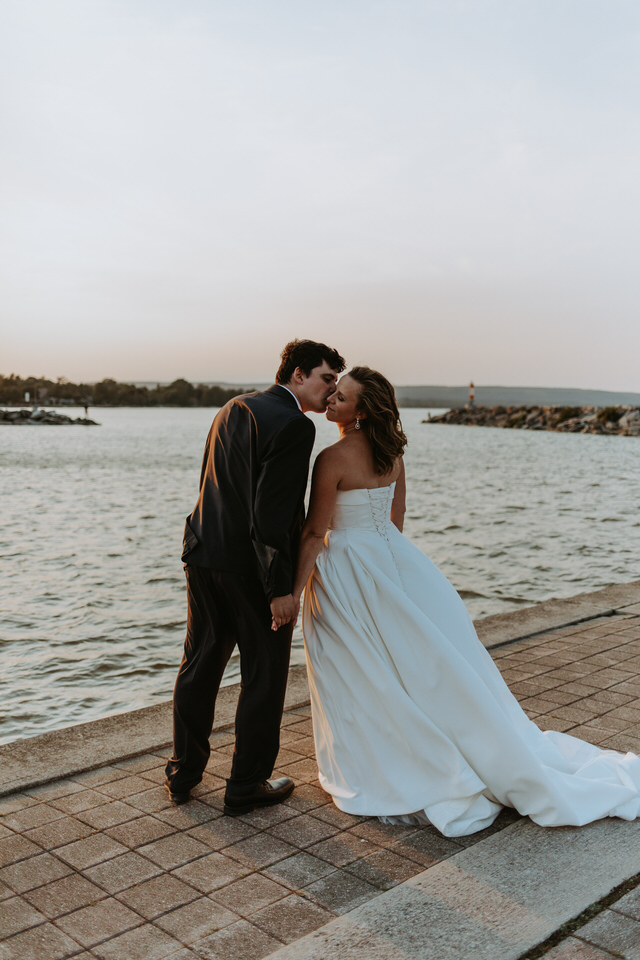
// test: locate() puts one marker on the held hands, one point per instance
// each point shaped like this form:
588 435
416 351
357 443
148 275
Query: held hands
284 610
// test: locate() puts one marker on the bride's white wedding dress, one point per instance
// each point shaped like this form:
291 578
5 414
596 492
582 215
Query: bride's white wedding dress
411 715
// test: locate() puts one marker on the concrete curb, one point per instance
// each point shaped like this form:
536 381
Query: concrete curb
554 614
37 760
493 901
86 746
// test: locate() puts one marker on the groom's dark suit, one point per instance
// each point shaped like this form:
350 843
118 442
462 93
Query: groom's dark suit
240 549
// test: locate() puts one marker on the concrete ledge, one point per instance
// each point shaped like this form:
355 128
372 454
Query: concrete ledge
61 753
554 614
36 760
493 901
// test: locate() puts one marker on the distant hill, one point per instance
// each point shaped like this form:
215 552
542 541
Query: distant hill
435 396
427 396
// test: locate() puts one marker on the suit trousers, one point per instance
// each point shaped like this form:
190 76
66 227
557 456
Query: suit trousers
225 610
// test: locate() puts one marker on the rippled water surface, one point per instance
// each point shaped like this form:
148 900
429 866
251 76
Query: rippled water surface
92 590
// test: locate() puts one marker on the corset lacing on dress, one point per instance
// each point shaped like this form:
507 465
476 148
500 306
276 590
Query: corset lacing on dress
380 507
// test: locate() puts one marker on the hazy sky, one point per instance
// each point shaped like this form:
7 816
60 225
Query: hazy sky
445 190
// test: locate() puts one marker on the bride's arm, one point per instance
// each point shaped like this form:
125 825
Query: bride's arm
327 473
399 499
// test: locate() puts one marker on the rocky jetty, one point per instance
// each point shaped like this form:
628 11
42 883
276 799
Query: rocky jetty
621 421
38 417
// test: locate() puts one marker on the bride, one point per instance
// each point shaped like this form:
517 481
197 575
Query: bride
412 720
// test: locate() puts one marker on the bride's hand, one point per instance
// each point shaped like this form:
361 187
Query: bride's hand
284 610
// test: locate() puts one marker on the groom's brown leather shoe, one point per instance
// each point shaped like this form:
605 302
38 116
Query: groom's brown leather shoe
260 795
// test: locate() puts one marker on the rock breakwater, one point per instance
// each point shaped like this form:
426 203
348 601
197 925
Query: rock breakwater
621 421
39 417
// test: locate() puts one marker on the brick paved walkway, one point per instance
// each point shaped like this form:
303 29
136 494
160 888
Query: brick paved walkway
100 865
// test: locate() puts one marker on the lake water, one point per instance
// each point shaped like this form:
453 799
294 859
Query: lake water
93 600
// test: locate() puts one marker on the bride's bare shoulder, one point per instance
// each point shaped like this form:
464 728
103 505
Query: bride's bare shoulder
331 456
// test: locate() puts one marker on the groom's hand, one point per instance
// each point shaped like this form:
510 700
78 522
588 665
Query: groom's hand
283 610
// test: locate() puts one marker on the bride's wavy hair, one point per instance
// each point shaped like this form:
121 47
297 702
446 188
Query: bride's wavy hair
381 425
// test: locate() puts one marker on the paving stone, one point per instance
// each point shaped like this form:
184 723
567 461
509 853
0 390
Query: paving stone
575 712
99 921
196 920
214 800
211 872
329 813
16 848
155 897
92 778
303 831
5 891
269 816
209 782
342 849
155 775
16 802
288 738
135 833
33 872
291 918
51 791
122 872
174 850
591 734
75 802
140 764
86 853
17 915
5 832
65 895
426 847
222 832
250 894
341 892
44 942
144 943
299 870
59 832
305 770
382 834
629 904
260 851
623 743
30 817
239 941
150 801
307 797
572 949
108 814
614 932
123 787
384 869
546 722
188 814
286 756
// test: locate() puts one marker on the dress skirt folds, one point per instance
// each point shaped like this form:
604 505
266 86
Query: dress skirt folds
411 717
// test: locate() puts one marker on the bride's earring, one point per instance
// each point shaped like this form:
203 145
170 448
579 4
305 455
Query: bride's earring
357 423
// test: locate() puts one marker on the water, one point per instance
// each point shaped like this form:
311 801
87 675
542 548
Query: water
93 600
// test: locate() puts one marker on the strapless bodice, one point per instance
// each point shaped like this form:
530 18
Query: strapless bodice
365 508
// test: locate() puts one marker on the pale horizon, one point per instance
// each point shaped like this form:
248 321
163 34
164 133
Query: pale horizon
441 190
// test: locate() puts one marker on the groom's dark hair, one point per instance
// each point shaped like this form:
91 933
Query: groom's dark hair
307 354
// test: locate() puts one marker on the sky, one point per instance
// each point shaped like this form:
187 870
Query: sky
442 190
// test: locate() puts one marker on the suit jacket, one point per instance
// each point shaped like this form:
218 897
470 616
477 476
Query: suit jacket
250 511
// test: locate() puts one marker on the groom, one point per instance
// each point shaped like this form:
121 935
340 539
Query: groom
240 547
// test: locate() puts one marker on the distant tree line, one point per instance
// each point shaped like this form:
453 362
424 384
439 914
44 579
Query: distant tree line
111 393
